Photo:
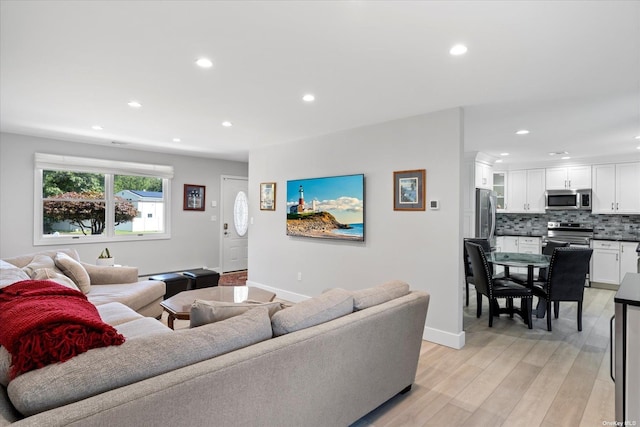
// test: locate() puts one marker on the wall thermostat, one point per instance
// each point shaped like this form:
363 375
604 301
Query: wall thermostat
434 204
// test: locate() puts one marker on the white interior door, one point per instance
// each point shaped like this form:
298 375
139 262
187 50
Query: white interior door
235 224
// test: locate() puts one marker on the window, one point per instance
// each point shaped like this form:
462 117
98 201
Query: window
89 200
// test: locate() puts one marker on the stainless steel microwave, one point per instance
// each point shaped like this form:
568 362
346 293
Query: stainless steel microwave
557 200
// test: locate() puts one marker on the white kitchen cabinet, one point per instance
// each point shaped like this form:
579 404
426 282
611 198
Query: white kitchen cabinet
519 244
616 188
574 177
500 187
628 188
484 176
525 193
612 260
628 258
606 262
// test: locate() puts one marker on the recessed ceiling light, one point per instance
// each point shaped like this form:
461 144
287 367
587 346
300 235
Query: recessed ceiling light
638 147
227 124
458 49
558 153
565 158
204 63
499 161
504 154
308 98
134 104
97 127
522 132
638 137
176 139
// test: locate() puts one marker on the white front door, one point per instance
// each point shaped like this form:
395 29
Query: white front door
235 223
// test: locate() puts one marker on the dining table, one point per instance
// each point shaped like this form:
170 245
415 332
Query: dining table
522 260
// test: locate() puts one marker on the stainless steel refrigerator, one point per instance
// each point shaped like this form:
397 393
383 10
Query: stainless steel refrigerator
486 215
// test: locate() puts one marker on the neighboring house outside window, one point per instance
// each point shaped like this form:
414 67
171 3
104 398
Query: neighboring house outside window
88 200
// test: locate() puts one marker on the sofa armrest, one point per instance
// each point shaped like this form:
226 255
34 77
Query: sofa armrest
107 275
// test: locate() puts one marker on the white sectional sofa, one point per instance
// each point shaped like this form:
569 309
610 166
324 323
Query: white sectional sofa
101 284
326 361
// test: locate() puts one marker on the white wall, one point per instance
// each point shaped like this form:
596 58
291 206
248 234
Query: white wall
194 239
422 248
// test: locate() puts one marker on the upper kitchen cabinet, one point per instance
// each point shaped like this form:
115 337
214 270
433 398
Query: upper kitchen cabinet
484 176
574 177
525 193
616 188
500 187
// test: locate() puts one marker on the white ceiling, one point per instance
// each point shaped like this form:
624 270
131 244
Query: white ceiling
567 71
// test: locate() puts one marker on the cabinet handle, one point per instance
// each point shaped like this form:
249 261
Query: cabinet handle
612 206
611 347
616 257
569 184
617 206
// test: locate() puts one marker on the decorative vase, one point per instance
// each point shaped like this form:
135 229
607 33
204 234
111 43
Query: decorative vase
105 261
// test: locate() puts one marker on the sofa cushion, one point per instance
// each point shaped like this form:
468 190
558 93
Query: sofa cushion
369 297
143 327
134 295
203 312
314 311
10 274
115 313
74 270
135 360
5 365
54 276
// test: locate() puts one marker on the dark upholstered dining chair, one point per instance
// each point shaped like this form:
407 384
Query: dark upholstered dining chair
494 288
565 282
468 270
542 274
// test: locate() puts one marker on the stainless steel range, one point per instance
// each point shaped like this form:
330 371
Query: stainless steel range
575 233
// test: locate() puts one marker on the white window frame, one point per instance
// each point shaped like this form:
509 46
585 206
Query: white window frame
109 168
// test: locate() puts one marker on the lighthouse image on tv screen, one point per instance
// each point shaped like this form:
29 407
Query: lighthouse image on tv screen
326 208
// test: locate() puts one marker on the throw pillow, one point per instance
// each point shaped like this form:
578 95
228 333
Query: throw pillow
10 274
314 311
203 312
74 270
377 295
54 276
38 262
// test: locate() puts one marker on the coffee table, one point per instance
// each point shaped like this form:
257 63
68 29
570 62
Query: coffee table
179 306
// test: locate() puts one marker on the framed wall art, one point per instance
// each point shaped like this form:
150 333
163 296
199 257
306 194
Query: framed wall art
328 207
193 197
409 190
268 196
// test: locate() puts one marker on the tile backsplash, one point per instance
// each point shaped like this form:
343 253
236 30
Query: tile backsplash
618 227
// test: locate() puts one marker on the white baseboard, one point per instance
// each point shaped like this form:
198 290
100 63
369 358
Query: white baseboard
434 335
444 338
280 293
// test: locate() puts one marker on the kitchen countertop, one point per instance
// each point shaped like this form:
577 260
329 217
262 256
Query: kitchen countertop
629 291
617 239
608 238
521 234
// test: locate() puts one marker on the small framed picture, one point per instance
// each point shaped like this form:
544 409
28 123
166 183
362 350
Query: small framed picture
409 190
193 197
268 196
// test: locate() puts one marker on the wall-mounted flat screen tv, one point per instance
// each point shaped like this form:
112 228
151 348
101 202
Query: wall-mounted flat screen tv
326 208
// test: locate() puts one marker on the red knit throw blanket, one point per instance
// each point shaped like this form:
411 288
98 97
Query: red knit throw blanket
42 322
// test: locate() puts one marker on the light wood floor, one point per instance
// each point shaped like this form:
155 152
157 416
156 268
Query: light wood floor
509 375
